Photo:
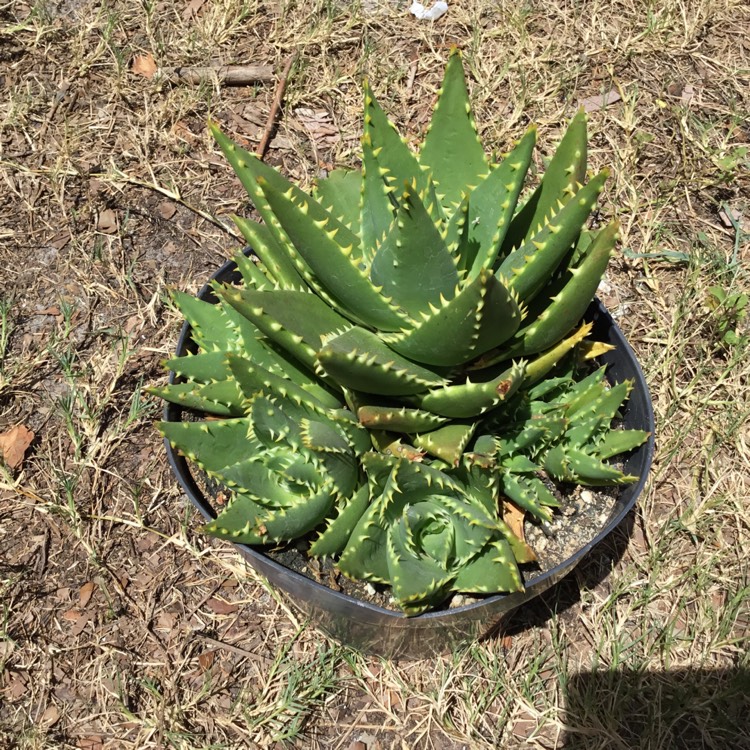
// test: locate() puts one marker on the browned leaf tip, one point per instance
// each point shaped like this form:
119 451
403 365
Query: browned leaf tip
513 516
13 445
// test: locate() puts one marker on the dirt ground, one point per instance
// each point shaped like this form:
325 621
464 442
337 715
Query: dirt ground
120 626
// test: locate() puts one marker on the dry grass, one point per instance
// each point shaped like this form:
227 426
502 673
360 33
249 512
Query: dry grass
119 627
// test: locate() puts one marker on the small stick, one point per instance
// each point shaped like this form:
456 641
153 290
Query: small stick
57 100
411 76
234 649
273 114
229 75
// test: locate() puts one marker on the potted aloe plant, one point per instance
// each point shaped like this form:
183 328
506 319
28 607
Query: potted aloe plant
405 356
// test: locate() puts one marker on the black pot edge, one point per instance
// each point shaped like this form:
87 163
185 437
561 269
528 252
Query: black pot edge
326 607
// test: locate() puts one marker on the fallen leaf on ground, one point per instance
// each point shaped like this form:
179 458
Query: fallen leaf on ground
730 218
594 103
206 659
14 444
50 716
221 607
318 125
80 624
106 221
144 65
687 94
131 323
254 114
167 209
59 241
84 595
91 742
181 130
524 727
17 686
370 742
192 9
682 91
166 621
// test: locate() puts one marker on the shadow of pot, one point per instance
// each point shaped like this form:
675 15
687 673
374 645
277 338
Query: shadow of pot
373 629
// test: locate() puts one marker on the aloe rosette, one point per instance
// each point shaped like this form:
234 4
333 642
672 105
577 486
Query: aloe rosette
390 366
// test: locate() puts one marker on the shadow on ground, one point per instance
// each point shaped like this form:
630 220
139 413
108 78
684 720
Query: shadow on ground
689 709
563 597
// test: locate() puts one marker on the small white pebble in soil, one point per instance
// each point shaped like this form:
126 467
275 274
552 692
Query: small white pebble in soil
603 518
586 496
370 589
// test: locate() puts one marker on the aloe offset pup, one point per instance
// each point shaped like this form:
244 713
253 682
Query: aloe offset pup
405 355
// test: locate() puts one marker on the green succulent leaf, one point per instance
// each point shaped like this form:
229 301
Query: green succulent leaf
211 329
340 194
569 305
452 150
523 493
333 254
530 267
358 359
364 556
333 539
397 165
481 316
491 206
413 266
494 569
573 465
375 206
222 398
448 442
296 321
272 253
398 419
205 367
418 581
253 379
212 444
254 273
620 441
566 170
473 398
245 521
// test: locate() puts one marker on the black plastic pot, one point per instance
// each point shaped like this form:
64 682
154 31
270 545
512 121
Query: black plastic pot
374 629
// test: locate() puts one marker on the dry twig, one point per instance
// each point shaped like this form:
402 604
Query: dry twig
228 75
273 114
